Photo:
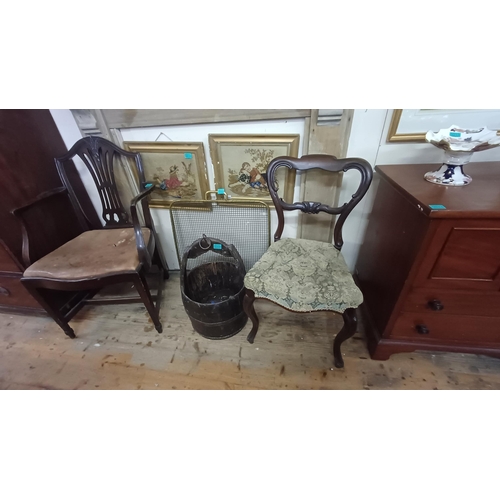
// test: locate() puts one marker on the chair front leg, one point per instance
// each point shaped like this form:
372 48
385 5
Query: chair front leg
348 330
52 311
143 288
249 309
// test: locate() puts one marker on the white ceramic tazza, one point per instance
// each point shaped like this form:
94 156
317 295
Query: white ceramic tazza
458 144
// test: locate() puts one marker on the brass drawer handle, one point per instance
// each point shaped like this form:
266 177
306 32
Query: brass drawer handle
435 305
4 291
422 329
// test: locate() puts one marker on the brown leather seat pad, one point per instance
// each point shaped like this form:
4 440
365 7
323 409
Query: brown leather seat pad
90 255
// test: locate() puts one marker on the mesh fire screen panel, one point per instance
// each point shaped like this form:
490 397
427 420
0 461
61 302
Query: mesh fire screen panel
244 224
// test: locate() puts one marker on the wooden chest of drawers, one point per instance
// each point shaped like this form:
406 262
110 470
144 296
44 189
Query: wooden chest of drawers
431 278
13 295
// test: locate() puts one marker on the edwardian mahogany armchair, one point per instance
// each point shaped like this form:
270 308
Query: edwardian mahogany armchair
304 275
119 251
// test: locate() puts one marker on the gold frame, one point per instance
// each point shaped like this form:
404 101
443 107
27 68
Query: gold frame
393 136
291 140
195 148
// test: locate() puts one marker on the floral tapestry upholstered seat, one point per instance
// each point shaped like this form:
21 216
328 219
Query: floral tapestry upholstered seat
304 276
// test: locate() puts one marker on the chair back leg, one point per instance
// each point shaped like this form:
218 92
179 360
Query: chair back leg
249 309
348 330
143 288
159 259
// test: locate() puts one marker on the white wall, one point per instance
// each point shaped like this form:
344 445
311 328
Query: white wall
364 141
368 140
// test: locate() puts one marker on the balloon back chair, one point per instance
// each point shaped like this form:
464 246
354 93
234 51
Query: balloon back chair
305 275
120 250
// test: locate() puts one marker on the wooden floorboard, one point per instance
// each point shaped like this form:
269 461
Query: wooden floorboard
117 347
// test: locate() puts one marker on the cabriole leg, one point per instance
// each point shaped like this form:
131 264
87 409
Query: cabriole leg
249 309
348 330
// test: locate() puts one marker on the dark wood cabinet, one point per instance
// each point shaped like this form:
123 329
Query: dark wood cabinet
431 277
29 142
13 295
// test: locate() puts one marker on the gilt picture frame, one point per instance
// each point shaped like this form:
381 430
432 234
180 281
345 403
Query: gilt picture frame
178 168
411 125
240 164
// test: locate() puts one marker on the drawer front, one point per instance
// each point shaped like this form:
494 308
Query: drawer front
444 302
463 255
13 294
446 327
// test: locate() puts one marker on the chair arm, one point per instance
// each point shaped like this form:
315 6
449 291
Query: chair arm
142 250
18 212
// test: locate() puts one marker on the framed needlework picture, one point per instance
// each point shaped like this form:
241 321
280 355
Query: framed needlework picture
178 168
241 161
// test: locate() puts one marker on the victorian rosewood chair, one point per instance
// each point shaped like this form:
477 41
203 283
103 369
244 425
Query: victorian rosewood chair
305 275
119 251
